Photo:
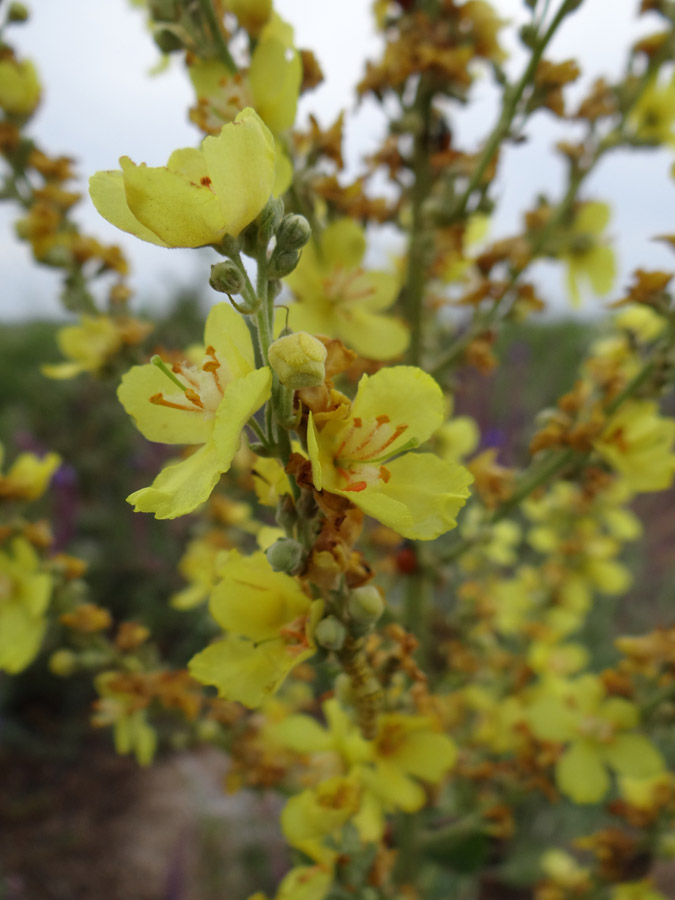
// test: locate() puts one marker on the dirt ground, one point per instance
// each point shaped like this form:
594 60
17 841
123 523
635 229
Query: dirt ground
101 828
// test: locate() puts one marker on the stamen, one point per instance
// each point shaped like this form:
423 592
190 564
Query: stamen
357 486
212 366
179 369
160 400
385 474
157 360
194 397
398 431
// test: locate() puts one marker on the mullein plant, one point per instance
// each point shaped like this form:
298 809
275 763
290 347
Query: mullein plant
418 679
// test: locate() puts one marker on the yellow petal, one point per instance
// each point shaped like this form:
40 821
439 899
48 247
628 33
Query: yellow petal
408 396
156 422
243 671
421 499
179 489
241 165
180 212
107 193
255 601
635 756
581 775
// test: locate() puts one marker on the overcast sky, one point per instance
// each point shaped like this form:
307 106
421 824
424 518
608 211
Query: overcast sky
100 103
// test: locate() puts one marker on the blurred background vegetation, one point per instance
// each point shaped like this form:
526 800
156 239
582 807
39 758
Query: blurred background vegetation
44 721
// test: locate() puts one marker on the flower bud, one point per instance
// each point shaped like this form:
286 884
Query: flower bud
167 41
62 663
293 233
366 604
285 555
226 278
282 262
330 633
17 12
298 360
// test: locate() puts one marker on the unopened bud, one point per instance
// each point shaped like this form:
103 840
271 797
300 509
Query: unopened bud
17 12
226 278
282 262
293 233
366 604
330 633
298 360
285 555
62 663
167 41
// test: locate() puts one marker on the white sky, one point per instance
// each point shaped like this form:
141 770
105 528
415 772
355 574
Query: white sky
99 104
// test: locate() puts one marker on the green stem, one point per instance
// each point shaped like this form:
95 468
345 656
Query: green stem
413 292
220 42
482 323
512 98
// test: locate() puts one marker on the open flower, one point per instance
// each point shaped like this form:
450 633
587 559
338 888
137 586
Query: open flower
28 477
361 454
270 623
205 404
601 734
587 256
339 298
24 596
200 195
638 443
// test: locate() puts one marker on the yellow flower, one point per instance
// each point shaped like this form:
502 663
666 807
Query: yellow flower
205 404
638 443
271 86
19 87
320 812
270 623
132 733
88 345
24 597
406 748
200 565
653 116
28 477
302 883
340 299
252 14
600 731
586 256
352 454
200 195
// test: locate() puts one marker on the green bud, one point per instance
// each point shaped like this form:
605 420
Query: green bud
330 633
365 604
528 35
269 220
282 262
298 360
17 12
62 663
164 10
226 278
285 555
293 233
167 41
260 232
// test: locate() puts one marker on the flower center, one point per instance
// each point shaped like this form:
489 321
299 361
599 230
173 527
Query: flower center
363 447
202 385
294 635
345 286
